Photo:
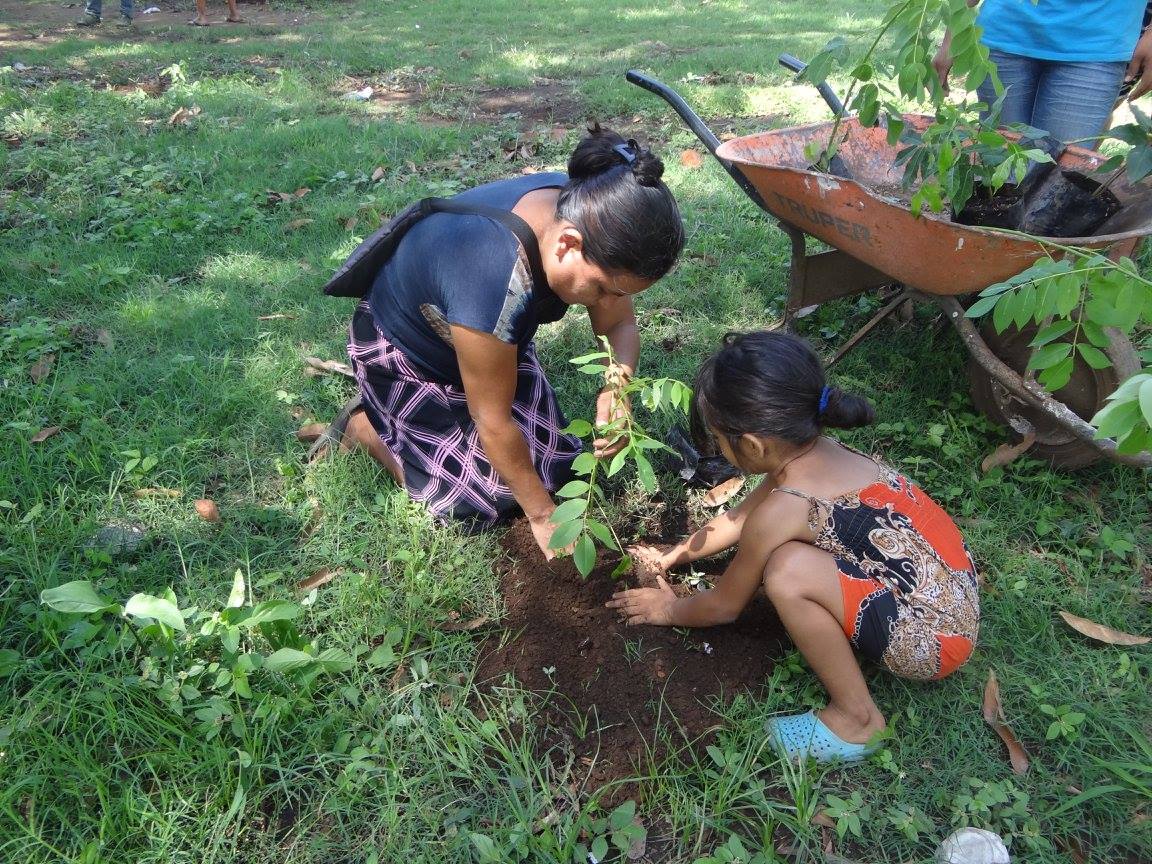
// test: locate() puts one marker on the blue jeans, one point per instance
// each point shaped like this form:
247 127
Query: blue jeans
1072 101
93 7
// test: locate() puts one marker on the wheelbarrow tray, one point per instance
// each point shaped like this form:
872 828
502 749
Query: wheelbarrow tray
866 218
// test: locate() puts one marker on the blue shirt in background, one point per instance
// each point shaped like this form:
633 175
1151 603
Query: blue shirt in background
455 269
1068 31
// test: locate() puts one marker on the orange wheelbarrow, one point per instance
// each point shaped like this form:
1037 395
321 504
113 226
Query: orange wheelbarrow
878 242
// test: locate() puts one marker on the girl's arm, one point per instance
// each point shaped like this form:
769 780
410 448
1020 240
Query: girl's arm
766 528
720 533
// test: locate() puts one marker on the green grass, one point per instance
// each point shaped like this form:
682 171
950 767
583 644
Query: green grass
142 253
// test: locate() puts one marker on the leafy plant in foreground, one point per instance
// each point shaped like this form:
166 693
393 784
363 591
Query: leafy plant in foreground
574 519
204 663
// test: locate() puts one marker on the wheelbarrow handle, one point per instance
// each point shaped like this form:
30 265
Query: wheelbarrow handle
698 127
789 61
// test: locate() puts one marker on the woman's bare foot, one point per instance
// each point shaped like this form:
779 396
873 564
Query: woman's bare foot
236 20
857 726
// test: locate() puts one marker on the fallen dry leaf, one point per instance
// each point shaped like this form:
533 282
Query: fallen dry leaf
639 846
1101 633
330 366
301 192
1006 453
156 492
182 116
206 509
822 819
42 368
320 577
351 222
313 521
464 626
994 717
718 495
378 174
310 432
104 339
279 316
297 224
691 159
44 434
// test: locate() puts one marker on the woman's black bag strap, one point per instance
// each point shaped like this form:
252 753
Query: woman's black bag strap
356 275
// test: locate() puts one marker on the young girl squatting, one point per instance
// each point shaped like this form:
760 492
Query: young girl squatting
852 554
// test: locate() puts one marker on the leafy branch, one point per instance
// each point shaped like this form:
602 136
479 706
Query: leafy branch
576 519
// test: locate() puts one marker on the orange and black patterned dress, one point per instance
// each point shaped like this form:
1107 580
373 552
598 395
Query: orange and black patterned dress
911 594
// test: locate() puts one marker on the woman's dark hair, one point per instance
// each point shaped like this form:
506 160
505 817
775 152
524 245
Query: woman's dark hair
626 215
771 384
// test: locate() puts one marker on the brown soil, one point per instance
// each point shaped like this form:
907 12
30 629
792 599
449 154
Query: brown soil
632 683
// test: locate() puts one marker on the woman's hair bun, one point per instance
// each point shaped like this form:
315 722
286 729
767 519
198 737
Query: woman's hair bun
603 150
846 410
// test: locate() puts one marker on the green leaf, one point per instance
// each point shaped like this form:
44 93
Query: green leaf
1146 401
584 555
571 509
77 596
579 428
383 655
600 531
572 488
1049 355
588 358
1116 419
982 306
584 464
1056 377
564 534
623 815
622 568
10 661
272 610
618 461
334 660
1093 356
236 596
1002 314
1052 332
645 473
288 660
155 609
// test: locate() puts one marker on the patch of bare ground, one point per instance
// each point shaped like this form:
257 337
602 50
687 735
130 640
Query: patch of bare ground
615 693
33 21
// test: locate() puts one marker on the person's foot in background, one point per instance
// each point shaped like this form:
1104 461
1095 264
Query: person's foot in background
89 19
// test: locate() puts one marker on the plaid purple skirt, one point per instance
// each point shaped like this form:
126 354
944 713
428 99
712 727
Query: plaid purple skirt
427 427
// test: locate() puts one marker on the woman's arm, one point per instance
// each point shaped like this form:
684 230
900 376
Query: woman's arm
942 62
615 319
488 370
766 528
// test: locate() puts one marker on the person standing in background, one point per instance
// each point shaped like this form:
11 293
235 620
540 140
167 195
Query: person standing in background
201 19
93 8
1062 61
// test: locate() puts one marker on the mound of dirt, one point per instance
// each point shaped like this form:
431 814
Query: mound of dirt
625 680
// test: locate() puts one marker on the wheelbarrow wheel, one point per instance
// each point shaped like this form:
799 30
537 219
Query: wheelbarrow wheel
1085 393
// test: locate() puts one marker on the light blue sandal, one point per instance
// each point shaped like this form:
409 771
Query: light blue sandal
798 736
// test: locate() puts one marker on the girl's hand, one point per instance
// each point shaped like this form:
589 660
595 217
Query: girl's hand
646 605
649 562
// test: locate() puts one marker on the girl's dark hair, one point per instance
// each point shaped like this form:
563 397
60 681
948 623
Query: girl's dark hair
626 215
771 384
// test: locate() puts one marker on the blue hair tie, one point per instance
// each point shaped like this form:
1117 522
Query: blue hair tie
824 395
628 151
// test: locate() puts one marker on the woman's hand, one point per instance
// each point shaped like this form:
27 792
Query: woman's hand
646 605
542 528
942 62
1140 69
610 408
